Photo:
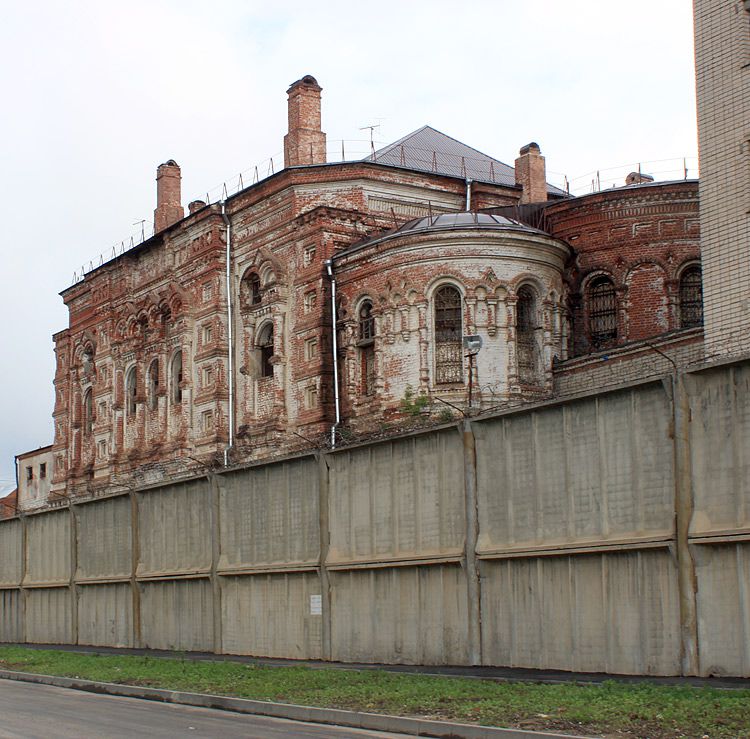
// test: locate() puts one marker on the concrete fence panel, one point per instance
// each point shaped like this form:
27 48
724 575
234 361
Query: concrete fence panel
174 528
11 616
720 441
723 575
412 615
11 552
48 550
590 471
104 541
613 612
270 516
274 615
105 615
397 499
178 614
49 616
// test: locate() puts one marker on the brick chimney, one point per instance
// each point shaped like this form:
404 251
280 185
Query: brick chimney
305 143
637 178
168 186
531 174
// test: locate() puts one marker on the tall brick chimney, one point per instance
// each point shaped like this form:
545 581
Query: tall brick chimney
531 174
168 194
305 143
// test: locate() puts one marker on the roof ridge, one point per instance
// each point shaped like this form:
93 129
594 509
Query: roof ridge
389 147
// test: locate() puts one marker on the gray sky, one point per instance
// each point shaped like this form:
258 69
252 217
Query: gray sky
97 94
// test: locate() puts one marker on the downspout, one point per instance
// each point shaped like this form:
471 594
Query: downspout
335 350
230 333
468 194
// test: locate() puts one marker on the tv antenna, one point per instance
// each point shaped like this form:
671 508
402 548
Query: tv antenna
142 224
371 129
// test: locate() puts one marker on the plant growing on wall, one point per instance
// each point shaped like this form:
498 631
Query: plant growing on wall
412 404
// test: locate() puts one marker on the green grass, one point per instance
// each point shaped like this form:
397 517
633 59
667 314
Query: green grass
613 709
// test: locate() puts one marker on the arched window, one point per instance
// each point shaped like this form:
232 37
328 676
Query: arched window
448 336
250 290
602 308
526 329
265 345
130 393
366 345
175 378
691 297
88 413
153 385
366 322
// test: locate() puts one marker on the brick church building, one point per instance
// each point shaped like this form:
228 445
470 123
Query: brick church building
334 300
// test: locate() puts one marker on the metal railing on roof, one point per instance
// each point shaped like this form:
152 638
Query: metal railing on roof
351 150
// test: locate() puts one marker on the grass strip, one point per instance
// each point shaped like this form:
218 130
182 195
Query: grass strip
613 709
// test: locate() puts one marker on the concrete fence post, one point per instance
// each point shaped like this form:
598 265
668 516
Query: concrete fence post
215 507
677 390
73 587
473 594
325 539
24 567
135 588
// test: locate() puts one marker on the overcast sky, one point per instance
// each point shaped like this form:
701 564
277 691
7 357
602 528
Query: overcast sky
97 94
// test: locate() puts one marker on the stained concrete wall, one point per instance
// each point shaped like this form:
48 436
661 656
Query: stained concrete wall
608 533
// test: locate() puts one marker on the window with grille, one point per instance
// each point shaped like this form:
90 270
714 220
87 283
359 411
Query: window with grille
602 305
526 328
691 298
448 335
366 322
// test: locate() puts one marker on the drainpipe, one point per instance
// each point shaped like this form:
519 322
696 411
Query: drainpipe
335 349
468 194
230 333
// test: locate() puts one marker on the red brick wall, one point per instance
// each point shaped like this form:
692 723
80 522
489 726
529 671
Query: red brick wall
639 236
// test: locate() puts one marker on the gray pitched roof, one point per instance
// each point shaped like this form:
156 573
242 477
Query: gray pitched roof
429 150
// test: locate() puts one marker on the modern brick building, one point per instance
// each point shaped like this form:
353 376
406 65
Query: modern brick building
458 282
722 65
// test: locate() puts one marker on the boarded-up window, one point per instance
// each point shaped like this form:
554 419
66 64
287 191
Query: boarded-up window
176 378
526 330
130 393
448 347
250 294
265 344
602 305
88 413
153 385
691 297
368 369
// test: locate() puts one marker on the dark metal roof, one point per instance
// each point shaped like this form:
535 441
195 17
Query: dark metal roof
463 220
429 150
445 222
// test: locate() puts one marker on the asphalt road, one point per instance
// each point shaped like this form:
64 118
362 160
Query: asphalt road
29 711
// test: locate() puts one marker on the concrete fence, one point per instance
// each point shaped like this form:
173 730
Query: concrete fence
609 532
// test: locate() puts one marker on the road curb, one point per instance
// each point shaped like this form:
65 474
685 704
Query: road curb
334 716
